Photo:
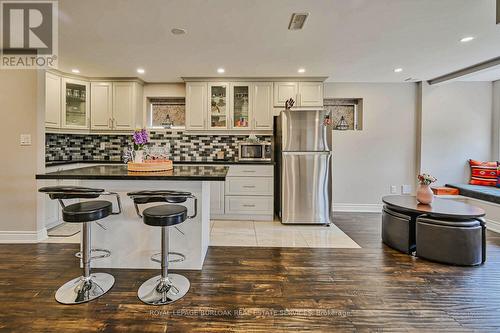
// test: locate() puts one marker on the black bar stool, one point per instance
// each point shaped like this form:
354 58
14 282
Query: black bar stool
88 286
165 288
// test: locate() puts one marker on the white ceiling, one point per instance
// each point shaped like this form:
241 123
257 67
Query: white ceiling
347 40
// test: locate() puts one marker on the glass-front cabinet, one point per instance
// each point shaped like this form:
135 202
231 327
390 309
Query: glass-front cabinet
240 115
218 108
75 104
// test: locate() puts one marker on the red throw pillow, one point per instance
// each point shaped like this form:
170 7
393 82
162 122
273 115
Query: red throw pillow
483 173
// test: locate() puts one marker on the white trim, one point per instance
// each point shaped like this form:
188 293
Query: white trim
8 237
357 208
493 225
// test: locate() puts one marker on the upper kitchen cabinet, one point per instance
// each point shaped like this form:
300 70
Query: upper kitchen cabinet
116 106
262 105
218 108
310 94
101 102
241 105
75 105
229 106
196 105
283 91
52 100
305 94
127 103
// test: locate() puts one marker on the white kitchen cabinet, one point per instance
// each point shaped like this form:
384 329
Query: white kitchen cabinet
240 110
247 193
305 94
217 198
75 104
218 105
196 105
52 100
283 91
101 105
116 105
124 105
310 94
262 106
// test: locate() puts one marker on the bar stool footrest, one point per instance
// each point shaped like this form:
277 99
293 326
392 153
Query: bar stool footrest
105 254
180 257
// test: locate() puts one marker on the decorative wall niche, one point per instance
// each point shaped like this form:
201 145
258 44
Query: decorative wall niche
347 113
167 112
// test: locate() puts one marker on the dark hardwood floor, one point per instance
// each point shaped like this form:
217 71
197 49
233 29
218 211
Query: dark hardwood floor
373 289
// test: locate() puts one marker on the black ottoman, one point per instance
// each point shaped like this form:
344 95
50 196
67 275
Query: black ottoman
452 242
398 230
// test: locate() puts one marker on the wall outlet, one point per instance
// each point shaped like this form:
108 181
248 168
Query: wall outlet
103 146
25 139
394 189
406 189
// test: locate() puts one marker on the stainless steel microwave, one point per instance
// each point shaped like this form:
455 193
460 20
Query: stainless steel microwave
260 151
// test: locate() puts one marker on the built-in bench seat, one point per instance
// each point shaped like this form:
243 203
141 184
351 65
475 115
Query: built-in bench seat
485 193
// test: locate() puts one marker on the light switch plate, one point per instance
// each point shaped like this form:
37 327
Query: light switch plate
25 139
394 189
406 189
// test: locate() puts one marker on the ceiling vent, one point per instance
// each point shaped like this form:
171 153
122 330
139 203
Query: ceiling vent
297 21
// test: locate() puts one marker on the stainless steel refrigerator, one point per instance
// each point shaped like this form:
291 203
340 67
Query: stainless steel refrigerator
303 154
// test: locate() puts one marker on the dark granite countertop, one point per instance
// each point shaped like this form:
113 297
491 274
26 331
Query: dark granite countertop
216 162
120 172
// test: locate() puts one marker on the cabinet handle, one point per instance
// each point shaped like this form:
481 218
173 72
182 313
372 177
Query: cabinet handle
109 123
248 205
113 123
249 171
249 186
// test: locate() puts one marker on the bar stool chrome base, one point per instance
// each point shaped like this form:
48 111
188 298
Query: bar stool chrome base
81 289
161 291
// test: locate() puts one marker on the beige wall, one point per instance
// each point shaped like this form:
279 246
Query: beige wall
456 125
366 163
18 188
495 145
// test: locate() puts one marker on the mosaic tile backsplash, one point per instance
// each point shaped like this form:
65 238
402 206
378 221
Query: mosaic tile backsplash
182 147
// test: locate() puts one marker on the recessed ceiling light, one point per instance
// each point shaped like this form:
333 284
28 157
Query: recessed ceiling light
221 70
140 70
398 70
467 39
178 31
301 70
76 71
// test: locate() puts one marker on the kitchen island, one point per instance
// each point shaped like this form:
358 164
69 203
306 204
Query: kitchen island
130 241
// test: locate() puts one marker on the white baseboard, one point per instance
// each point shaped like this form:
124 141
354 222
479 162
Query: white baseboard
19 237
493 225
357 208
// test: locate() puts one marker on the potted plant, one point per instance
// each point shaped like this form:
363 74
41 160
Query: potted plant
139 139
424 192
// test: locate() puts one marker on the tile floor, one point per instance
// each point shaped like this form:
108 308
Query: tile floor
265 234
275 234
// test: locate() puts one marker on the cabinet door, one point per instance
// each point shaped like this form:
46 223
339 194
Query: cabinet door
284 91
216 198
52 100
101 105
241 105
123 105
262 110
76 106
310 94
218 105
196 105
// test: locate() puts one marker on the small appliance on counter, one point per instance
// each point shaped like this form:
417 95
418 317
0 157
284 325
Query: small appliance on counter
254 150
